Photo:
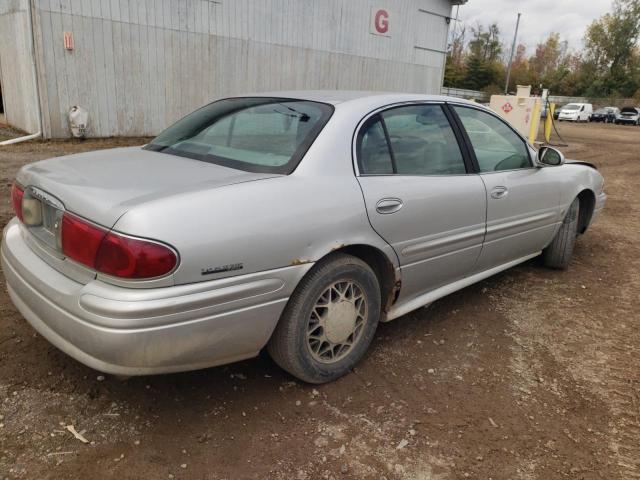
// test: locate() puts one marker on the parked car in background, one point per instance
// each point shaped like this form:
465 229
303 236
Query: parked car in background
629 116
576 112
295 221
606 115
557 112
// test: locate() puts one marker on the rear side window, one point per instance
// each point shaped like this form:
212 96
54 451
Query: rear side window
411 140
253 134
373 150
496 145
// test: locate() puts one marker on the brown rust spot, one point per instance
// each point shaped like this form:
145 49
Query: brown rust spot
298 261
393 295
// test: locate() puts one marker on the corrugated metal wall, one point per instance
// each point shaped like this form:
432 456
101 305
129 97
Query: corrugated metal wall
16 66
138 65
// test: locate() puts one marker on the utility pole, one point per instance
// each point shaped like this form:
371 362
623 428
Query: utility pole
513 49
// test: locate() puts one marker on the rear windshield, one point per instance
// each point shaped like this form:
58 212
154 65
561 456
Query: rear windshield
630 110
256 134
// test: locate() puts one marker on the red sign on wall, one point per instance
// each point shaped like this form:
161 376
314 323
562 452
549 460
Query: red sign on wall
507 107
380 21
68 41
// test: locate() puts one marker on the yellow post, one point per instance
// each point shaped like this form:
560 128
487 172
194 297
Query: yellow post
548 124
535 122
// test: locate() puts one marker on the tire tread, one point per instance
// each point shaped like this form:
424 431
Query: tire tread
558 254
283 342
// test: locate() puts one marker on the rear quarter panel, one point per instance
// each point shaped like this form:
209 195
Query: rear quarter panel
265 224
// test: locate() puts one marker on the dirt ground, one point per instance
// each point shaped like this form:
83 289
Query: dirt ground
532 374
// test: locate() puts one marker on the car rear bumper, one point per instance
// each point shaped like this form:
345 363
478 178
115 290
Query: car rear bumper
128 331
629 121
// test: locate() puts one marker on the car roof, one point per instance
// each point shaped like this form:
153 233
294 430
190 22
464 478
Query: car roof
336 97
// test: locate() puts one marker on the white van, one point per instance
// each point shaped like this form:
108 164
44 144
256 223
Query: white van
576 112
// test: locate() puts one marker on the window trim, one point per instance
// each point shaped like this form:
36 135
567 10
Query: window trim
387 138
469 144
364 121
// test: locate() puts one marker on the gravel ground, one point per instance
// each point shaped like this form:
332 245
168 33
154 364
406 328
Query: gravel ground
531 374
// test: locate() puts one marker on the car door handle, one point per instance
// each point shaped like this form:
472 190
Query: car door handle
499 192
386 206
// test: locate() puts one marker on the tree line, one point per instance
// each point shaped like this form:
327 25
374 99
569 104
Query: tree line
608 66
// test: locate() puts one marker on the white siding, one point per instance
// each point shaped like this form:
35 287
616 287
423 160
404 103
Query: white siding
16 66
138 65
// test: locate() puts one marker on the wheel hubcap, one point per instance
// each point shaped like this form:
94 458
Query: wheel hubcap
336 321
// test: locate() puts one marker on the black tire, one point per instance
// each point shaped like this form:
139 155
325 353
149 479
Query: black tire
558 254
291 346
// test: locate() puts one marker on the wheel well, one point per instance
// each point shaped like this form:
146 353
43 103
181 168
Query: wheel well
382 267
587 204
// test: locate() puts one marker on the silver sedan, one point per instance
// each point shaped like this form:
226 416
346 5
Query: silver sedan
294 221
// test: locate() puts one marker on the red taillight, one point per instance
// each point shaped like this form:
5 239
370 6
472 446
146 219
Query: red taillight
16 198
114 254
81 240
128 257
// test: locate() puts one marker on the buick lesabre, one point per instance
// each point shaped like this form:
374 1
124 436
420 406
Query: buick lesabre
291 221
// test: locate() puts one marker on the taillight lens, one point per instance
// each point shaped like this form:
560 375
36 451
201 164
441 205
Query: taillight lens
16 199
128 257
81 240
112 253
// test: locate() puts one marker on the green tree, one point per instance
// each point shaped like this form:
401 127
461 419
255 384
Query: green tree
611 50
486 45
454 71
608 66
479 73
482 66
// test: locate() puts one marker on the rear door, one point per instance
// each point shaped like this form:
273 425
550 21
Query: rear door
523 202
420 193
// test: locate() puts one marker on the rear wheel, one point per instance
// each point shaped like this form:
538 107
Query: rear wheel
558 254
329 322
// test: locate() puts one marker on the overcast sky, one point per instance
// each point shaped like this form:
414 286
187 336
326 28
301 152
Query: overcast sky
570 18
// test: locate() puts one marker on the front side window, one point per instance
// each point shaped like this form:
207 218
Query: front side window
496 145
411 140
253 134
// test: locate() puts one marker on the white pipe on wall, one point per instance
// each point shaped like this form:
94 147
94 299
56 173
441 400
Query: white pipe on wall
20 139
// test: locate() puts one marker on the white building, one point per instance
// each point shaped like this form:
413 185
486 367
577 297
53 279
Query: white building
138 65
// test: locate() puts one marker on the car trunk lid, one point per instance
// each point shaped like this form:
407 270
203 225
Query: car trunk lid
102 185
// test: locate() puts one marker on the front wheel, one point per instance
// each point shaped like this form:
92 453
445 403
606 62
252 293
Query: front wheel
330 320
558 254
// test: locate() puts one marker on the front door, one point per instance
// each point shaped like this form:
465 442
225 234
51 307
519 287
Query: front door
419 195
523 202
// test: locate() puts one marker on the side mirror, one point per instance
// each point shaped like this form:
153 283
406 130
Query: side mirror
551 157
